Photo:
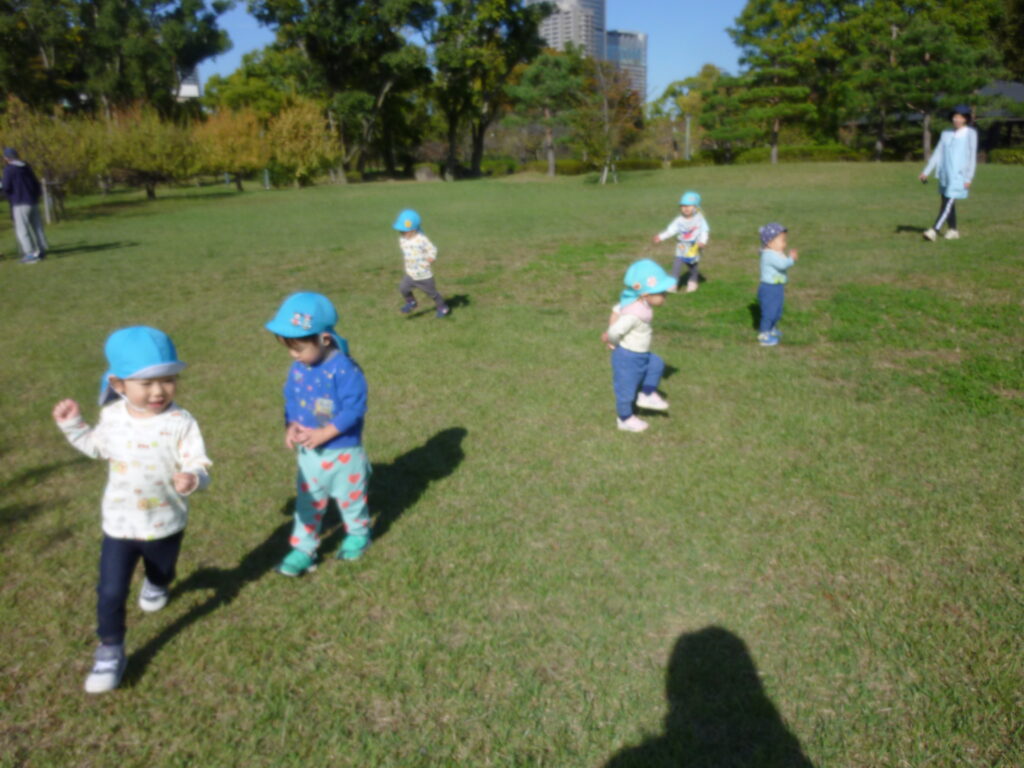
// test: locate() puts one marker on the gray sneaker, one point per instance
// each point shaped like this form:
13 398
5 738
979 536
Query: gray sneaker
152 598
107 669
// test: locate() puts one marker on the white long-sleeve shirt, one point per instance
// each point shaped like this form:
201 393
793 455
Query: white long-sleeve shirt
687 231
630 331
140 501
419 253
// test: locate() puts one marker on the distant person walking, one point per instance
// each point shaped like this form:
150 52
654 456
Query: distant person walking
23 191
954 161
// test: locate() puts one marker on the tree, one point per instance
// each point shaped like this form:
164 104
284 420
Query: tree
39 51
266 81
724 115
778 45
685 100
547 91
608 117
302 141
233 142
477 44
148 150
359 51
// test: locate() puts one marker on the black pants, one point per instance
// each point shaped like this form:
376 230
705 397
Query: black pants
427 286
118 558
947 212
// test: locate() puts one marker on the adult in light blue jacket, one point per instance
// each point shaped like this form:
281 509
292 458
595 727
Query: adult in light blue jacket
954 161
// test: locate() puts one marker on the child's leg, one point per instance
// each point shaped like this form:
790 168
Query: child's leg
628 369
405 288
429 287
349 488
160 559
312 483
118 558
677 268
770 297
694 275
653 374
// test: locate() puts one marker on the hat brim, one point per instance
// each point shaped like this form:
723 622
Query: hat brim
160 370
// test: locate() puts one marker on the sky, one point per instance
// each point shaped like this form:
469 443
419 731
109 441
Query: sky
683 35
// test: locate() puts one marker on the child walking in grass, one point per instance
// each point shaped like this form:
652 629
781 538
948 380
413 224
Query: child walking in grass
419 254
771 292
157 460
324 408
636 371
691 231
954 160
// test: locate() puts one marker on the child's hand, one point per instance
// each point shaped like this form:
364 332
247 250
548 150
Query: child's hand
924 178
66 410
314 438
655 239
793 254
185 482
604 338
294 435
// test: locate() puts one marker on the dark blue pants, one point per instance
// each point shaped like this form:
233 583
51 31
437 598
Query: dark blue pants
118 558
632 371
770 296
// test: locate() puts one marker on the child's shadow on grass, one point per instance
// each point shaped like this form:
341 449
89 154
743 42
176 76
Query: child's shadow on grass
901 228
718 713
755 315
394 488
13 513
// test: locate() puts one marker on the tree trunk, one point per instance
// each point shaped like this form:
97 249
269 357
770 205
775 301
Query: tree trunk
926 136
150 190
451 161
775 141
238 182
47 202
880 138
549 141
479 133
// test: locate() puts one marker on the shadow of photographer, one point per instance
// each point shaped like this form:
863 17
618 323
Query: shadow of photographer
718 713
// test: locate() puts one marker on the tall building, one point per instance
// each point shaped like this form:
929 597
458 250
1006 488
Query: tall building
629 52
580 22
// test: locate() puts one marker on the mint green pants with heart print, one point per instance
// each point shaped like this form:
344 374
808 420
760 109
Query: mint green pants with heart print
341 474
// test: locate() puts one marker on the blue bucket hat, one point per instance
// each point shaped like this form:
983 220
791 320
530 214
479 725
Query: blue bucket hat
770 231
644 277
306 314
138 352
690 198
407 221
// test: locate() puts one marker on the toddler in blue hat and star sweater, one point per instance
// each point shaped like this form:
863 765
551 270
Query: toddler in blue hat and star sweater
157 459
324 408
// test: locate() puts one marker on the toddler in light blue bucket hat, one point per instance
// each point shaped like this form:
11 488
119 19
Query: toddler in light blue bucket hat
157 459
636 371
324 408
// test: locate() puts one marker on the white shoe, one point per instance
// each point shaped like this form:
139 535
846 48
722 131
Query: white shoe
108 667
632 424
152 598
674 288
651 402
952 234
929 234
692 286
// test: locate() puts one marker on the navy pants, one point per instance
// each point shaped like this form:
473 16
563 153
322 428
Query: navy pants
770 296
632 371
947 212
118 558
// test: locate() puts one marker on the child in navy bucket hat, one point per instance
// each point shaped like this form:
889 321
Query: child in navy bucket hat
771 291
157 459
324 408
636 371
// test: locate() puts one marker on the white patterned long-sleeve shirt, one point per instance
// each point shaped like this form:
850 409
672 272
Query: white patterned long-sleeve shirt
140 501
419 254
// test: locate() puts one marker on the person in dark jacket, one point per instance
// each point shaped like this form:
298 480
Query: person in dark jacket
23 191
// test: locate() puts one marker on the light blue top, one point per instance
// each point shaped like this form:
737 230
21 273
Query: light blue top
954 159
774 266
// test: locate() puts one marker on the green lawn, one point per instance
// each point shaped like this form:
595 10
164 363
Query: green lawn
814 559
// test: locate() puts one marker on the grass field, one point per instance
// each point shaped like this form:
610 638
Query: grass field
814 560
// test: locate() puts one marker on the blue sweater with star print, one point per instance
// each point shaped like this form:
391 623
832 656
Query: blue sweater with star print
332 391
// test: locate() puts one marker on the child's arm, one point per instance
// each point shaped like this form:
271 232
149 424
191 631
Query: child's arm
68 417
193 461
622 325
429 250
671 231
350 400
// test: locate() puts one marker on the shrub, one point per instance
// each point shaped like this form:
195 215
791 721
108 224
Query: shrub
696 160
638 164
811 153
562 167
1007 156
499 165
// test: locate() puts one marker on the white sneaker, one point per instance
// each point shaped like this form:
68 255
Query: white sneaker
632 424
929 234
692 286
152 598
108 667
651 402
952 234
